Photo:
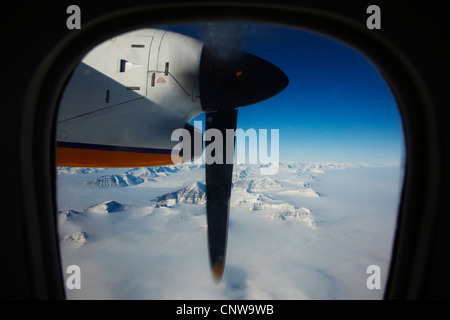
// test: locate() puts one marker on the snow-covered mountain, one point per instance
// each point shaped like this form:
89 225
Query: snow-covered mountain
153 172
77 238
116 180
73 170
257 184
70 213
133 177
320 167
192 194
306 192
240 172
106 207
275 209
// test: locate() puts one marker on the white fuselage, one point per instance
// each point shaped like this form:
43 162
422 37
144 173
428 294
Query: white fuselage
132 91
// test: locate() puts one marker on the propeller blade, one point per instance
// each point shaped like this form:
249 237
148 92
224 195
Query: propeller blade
218 192
228 79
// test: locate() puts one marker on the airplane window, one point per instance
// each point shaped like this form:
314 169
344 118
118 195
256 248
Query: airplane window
227 161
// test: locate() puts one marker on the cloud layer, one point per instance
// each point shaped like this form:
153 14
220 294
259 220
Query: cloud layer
310 232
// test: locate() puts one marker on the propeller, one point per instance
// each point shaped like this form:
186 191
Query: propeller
229 79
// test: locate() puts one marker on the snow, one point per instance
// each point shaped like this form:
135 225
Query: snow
130 178
77 238
257 184
194 193
106 207
116 180
70 170
309 232
307 192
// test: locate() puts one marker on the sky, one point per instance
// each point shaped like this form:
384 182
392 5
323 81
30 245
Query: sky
337 106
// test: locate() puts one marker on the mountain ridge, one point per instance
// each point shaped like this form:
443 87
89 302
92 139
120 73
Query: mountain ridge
194 193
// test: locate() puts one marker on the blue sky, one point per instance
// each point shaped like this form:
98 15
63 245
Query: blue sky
337 106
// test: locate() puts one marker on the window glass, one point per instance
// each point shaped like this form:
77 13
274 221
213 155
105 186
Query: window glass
316 185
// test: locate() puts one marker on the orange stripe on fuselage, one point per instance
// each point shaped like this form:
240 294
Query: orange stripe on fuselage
73 157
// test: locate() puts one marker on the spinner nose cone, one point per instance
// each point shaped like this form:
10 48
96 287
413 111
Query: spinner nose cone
261 80
233 78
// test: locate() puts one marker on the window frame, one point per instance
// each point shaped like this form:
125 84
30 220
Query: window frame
416 219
